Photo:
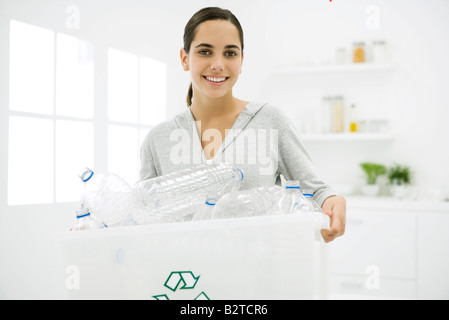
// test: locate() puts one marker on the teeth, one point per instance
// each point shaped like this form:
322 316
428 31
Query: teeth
215 79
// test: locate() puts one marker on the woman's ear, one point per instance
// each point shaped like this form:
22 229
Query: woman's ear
184 59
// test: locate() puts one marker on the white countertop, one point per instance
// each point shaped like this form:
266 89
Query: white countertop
389 203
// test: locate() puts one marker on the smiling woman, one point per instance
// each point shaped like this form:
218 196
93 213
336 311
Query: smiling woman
220 127
208 15
215 61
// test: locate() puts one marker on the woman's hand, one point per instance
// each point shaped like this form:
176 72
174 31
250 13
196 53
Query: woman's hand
335 208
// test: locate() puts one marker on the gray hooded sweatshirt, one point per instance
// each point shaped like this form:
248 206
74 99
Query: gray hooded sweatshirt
262 142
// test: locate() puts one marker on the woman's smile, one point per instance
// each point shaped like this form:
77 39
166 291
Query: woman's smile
216 80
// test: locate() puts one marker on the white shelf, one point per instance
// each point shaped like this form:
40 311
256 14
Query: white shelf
347 137
347 68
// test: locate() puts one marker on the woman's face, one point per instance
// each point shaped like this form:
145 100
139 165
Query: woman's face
215 58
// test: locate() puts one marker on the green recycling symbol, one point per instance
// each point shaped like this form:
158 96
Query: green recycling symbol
181 280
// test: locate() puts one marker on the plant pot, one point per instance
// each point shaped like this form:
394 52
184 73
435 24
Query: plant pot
370 190
399 191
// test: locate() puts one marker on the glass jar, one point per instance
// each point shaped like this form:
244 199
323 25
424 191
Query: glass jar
358 52
379 51
327 115
340 56
338 116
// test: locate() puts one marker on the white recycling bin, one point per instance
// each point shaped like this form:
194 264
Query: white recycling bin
254 258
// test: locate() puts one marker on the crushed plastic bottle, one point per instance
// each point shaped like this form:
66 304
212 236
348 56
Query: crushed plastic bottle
85 221
248 203
206 211
180 194
314 205
293 201
180 210
109 198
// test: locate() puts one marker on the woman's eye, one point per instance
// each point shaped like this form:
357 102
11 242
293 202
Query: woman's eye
231 53
209 53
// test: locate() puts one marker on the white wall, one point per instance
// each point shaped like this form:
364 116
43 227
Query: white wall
412 97
281 31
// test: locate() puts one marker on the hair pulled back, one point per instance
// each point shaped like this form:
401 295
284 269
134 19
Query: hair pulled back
203 15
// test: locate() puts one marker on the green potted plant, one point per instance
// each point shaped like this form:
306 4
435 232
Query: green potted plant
399 178
372 172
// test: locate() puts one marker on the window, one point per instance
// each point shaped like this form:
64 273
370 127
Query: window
136 102
30 160
74 77
51 111
31 69
53 119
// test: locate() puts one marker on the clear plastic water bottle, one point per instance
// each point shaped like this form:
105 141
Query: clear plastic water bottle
180 194
85 221
181 209
206 211
109 198
248 203
314 205
293 200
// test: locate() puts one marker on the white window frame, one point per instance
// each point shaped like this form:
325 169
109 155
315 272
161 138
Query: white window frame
100 119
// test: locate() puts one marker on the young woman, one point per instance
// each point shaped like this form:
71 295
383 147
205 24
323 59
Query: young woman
256 137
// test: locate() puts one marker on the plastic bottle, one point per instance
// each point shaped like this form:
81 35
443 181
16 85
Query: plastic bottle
109 198
247 203
323 220
206 211
292 201
353 124
180 194
84 220
314 205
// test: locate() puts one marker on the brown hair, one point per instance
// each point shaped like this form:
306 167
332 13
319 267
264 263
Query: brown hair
203 15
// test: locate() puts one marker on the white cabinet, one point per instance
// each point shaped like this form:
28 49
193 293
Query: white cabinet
433 252
382 239
355 287
394 249
376 253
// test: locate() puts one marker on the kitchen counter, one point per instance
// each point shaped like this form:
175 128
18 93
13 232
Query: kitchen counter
389 203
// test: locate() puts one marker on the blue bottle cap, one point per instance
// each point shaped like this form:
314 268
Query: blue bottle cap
80 215
237 175
86 175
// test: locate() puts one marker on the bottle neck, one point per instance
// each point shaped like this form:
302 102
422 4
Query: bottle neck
293 189
83 215
237 175
211 202
87 175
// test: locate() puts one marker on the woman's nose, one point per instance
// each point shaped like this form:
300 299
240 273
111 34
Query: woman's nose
217 64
